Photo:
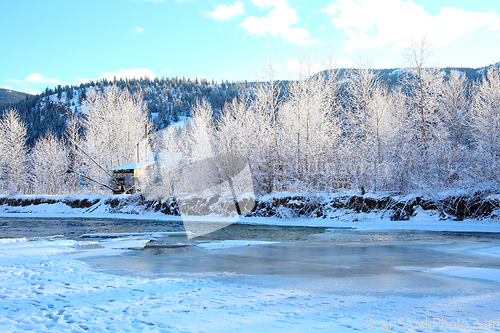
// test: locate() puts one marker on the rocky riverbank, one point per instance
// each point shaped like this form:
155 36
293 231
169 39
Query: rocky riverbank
474 205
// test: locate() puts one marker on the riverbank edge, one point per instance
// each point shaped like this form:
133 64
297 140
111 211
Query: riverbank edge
474 205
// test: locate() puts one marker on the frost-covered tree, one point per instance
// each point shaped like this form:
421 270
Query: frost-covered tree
185 158
49 160
305 130
201 131
381 125
486 123
363 117
265 106
76 159
455 108
239 135
167 146
400 152
14 152
423 87
197 170
115 122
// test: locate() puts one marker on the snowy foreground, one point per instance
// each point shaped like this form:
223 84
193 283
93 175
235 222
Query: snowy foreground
56 284
46 285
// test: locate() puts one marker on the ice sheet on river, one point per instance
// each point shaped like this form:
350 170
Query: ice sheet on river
43 288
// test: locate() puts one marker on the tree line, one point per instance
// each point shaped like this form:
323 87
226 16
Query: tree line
168 100
111 125
324 133
321 133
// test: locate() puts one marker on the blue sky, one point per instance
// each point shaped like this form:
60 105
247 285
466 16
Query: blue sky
46 43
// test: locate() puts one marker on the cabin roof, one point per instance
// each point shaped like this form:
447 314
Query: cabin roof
132 166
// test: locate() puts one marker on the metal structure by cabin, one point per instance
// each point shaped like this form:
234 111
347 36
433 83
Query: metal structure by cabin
132 176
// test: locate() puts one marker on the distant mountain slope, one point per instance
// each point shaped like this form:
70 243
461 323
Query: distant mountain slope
168 99
392 76
10 96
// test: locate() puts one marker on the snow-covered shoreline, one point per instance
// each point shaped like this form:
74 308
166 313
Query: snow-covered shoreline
55 283
284 209
49 285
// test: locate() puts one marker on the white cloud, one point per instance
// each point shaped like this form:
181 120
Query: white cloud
278 23
128 74
228 75
276 67
496 25
31 91
137 30
376 23
166 71
269 3
37 78
225 13
33 79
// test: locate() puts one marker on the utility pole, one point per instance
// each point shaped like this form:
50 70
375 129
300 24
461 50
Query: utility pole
138 153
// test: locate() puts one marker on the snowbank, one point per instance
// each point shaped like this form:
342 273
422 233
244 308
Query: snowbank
45 288
476 212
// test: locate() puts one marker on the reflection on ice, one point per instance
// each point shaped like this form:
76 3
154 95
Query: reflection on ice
232 243
127 243
283 279
479 273
341 261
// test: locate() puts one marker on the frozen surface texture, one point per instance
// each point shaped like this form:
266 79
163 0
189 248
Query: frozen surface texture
331 282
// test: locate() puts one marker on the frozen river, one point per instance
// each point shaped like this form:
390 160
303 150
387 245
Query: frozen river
148 275
310 258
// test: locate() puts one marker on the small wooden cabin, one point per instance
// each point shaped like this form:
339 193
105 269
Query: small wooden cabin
132 177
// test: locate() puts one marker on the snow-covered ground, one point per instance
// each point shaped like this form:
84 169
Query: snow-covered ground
53 284
46 285
56 284
422 220
341 218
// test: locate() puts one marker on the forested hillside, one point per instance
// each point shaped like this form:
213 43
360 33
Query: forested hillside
425 129
10 96
167 100
431 131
